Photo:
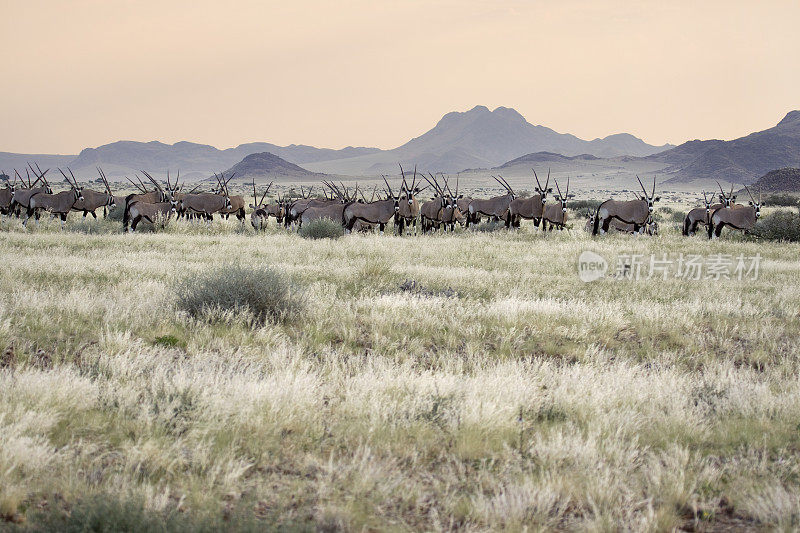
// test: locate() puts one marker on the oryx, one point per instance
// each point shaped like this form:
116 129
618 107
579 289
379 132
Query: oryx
379 212
6 195
159 212
93 200
295 208
742 217
531 208
259 215
699 215
463 207
22 196
495 207
651 228
59 204
333 210
409 205
159 195
638 212
442 209
555 214
451 213
206 204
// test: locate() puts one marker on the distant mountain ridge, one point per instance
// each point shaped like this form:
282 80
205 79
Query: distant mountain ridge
483 138
741 160
459 140
130 156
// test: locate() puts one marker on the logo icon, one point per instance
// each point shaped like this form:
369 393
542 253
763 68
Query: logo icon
591 266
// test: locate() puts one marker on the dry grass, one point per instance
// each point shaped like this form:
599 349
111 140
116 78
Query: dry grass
500 393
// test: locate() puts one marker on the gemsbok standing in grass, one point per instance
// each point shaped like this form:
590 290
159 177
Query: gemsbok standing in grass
495 207
451 213
333 210
260 215
205 205
377 213
59 204
22 196
637 212
530 208
431 211
699 215
555 214
94 200
158 213
409 205
617 225
7 194
742 217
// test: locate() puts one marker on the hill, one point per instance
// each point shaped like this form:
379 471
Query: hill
10 161
781 180
739 160
265 165
193 159
480 138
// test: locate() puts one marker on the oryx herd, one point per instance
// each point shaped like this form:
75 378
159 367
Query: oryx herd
159 202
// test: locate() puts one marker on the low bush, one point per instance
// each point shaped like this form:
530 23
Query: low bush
322 228
260 291
781 200
778 226
584 205
488 227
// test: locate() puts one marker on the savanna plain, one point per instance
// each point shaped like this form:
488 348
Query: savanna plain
464 381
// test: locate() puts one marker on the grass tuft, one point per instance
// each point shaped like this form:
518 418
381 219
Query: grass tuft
323 228
258 291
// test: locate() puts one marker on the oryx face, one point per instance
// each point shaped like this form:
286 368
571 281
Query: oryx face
757 207
78 194
650 202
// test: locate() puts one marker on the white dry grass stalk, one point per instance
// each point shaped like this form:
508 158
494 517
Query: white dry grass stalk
503 394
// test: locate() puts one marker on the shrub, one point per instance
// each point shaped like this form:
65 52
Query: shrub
778 226
116 213
256 290
585 205
489 226
322 228
781 200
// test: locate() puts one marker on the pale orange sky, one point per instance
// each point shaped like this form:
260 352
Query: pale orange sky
368 73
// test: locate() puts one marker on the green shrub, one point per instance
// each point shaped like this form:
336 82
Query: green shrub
778 226
585 205
256 290
107 513
489 226
169 341
322 228
117 212
781 200
677 216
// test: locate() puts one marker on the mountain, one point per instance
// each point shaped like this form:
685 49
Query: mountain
478 138
781 180
10 161
545 157
483 138
193 159
265 165
739 160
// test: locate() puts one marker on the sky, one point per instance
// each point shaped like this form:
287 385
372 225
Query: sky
374 73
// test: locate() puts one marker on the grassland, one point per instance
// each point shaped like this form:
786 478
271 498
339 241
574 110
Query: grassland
496 391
